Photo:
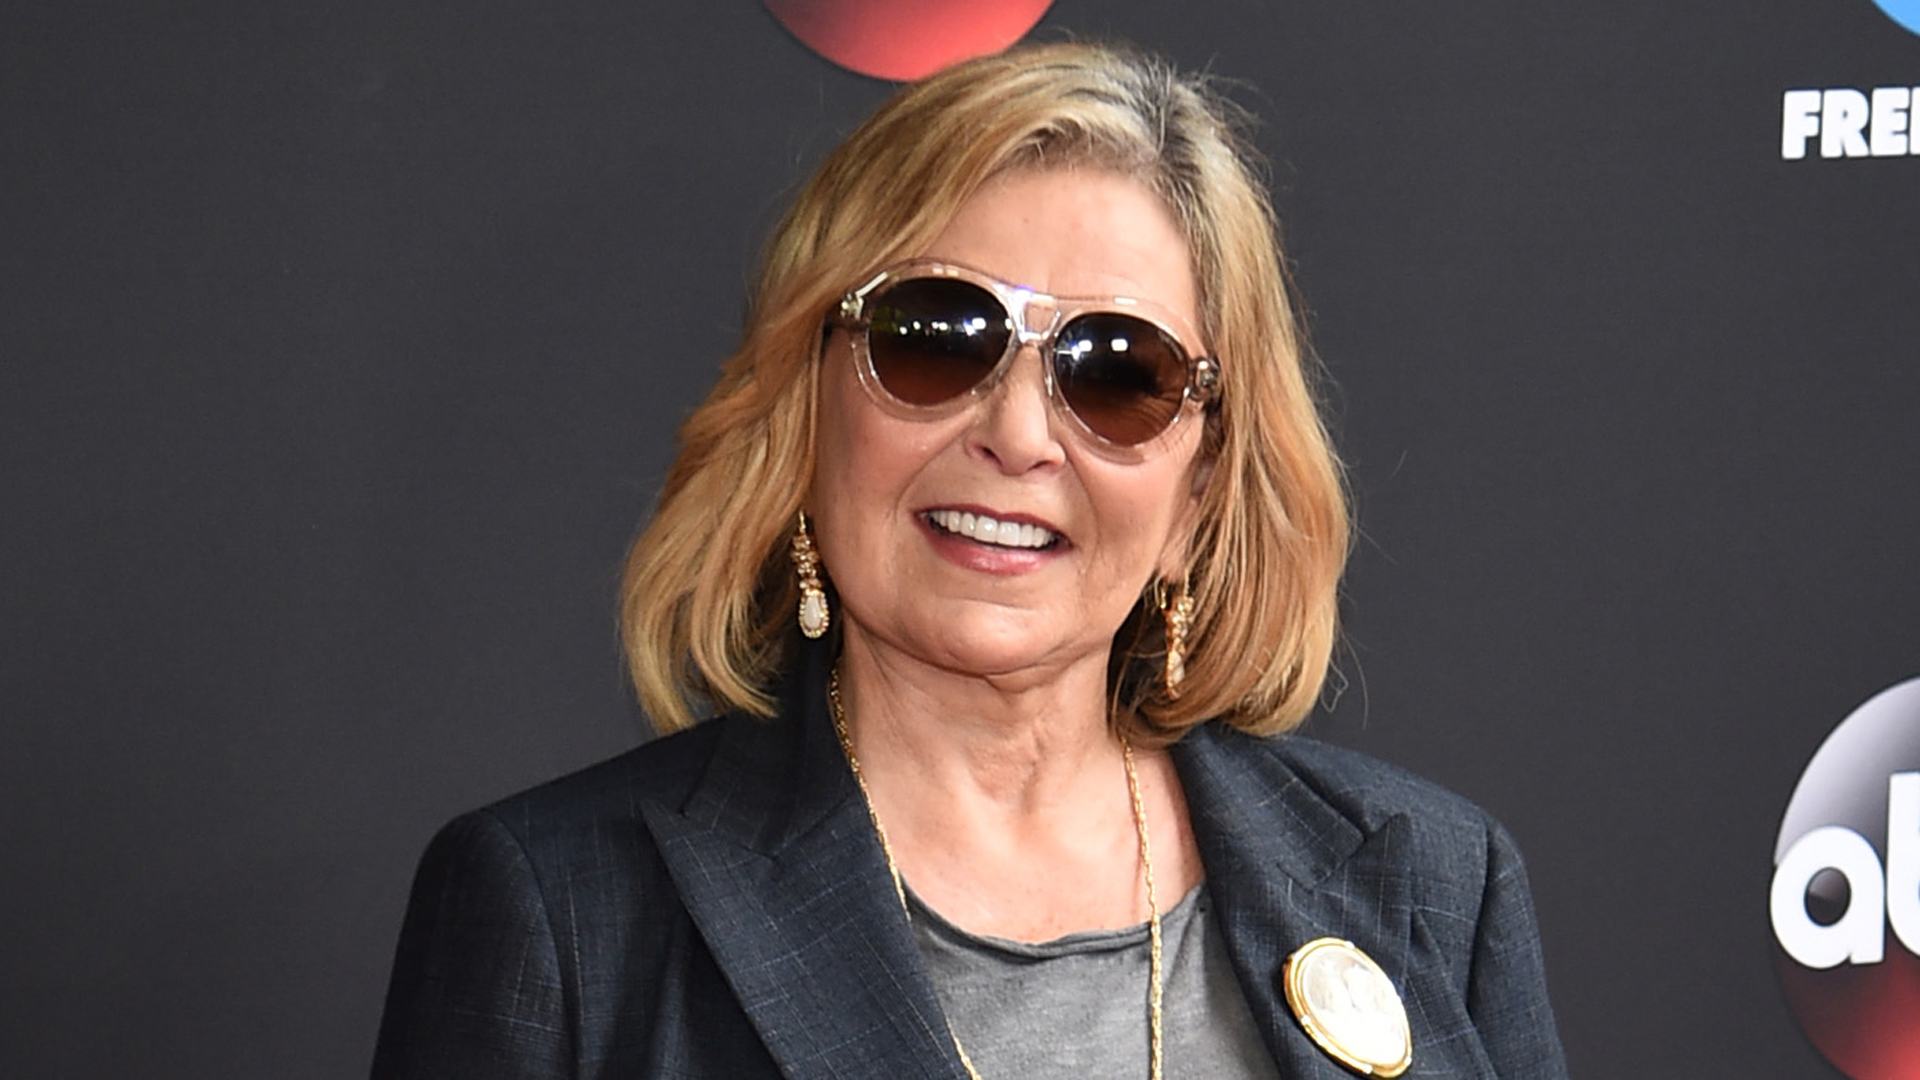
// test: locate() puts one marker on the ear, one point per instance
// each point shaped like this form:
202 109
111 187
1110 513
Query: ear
1176 555
1202 475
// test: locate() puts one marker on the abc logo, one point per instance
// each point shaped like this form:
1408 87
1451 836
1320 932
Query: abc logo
1845 901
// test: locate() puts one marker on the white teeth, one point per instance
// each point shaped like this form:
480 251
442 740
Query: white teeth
988 531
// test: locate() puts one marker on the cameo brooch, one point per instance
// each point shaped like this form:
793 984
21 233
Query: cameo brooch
1349 1007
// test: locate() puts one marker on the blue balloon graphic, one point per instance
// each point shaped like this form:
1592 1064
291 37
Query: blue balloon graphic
1904 12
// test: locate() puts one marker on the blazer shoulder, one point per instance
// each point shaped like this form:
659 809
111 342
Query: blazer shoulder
664 770
1370 790
1304 839
525 911
1450 834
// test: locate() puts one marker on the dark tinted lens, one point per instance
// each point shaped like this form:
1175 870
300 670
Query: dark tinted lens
933 339
1124 377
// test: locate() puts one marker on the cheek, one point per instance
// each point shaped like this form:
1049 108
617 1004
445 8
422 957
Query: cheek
865 465
848 435
844 444
1148 510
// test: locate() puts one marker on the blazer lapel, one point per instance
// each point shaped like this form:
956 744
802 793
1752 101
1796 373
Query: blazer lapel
776 861
1285 867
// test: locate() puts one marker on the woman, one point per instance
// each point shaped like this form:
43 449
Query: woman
1007 548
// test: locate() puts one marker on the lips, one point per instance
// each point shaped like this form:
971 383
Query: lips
994 532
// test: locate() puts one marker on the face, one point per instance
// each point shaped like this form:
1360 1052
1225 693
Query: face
889 492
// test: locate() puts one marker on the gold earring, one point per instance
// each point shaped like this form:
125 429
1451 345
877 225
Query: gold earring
1178 611
814 616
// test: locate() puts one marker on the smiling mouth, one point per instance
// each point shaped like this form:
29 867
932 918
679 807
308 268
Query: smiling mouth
985 530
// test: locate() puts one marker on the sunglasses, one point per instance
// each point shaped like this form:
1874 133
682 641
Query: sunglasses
929 338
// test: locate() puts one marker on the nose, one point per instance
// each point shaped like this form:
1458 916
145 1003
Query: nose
1015 427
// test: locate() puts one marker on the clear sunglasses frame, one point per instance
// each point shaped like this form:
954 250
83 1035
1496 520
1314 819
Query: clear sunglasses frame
1037 320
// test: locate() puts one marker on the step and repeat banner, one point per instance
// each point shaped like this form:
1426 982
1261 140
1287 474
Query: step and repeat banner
342 346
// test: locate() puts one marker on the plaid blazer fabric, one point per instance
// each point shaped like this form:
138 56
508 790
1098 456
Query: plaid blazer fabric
716 905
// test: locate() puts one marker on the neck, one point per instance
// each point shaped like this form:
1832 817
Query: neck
1023 742
1007 801
1048 924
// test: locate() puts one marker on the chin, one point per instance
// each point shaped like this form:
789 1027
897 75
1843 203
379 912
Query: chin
998 645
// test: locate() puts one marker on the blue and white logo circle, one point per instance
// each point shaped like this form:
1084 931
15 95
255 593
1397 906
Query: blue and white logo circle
1904 12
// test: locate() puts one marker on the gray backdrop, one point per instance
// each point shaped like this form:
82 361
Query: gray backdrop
341 347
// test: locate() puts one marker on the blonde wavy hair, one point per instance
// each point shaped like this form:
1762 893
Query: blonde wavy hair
708 596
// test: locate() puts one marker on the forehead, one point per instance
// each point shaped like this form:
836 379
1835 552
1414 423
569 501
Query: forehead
1074 233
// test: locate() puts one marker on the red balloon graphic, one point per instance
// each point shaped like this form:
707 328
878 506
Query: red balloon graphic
905 40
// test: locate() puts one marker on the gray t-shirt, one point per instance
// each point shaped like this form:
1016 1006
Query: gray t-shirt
1077 1006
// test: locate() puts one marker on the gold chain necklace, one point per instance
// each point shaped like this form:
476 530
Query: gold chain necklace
1146 864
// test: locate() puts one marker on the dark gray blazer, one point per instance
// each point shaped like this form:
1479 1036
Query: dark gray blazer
715 905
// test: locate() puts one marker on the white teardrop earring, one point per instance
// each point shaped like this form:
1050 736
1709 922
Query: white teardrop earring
813 614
